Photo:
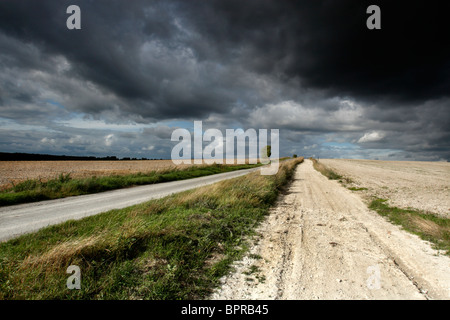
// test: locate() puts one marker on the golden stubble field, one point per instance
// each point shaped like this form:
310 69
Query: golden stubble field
16 171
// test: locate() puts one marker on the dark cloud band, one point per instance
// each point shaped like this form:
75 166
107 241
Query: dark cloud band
235 63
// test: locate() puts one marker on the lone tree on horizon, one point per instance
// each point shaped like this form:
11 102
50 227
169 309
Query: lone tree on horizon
267 151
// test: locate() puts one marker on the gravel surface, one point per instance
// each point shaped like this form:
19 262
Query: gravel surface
322 242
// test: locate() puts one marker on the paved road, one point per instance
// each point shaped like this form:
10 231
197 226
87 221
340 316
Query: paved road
30 217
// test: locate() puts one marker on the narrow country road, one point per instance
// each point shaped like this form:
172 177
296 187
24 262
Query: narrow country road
322 242
25 218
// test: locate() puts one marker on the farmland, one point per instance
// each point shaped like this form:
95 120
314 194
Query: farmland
335 234
64 185
407 184
171 248
17 171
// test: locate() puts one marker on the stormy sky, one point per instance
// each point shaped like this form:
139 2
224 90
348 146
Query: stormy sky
137 70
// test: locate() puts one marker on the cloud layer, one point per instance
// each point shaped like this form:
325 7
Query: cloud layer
139 69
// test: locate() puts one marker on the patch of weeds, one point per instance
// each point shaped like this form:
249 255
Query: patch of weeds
357 189
330 174
253 269
261 279
348 180
427 226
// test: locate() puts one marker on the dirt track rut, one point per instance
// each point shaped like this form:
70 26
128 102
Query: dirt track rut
321 242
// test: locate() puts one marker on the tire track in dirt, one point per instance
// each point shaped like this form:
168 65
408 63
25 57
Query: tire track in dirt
321 242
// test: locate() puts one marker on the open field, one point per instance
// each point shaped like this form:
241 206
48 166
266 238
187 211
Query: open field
64 185
406 184
30 217
176 247
16 171
321 241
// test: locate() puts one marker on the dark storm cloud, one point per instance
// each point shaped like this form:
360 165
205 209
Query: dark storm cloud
124 48
311 68
326 43
323 43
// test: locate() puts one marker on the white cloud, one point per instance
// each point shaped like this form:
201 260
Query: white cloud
310 147
109 139
371 137
149 148
293 115
47 140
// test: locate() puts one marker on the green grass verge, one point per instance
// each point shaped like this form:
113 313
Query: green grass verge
427 226
176 247
65 186
356 189
330 174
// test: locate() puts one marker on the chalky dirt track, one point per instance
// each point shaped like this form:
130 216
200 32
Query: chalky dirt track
322 242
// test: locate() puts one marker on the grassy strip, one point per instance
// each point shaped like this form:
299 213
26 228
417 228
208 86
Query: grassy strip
330 174
176 247
427 226
357 189
65 186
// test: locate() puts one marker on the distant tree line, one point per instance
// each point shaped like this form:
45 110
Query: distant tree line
4 156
